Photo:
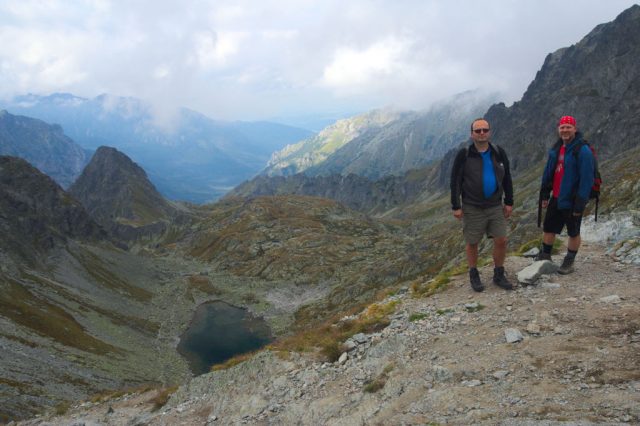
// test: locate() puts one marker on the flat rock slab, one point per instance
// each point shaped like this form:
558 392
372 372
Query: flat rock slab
531 273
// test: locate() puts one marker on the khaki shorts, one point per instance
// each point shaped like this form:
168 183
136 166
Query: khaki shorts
476 222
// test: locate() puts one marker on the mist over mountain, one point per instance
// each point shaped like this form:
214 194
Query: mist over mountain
383 142
187 155
43 145
79 315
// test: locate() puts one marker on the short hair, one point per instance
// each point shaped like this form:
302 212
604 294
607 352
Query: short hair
478 119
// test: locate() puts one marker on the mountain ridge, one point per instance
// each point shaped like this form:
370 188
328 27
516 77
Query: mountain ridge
188 156
44 145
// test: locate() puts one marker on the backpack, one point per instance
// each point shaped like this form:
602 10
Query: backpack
597 179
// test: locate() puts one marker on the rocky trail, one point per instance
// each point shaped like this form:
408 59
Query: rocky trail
565 350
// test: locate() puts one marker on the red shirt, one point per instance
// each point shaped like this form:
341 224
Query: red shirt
559 172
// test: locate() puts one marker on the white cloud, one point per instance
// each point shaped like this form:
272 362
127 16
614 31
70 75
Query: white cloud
245 59
353 69
214 50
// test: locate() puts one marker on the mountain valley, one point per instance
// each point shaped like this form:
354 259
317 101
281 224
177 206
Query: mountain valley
100 276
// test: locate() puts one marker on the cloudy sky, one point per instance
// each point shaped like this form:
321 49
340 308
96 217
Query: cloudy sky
259 59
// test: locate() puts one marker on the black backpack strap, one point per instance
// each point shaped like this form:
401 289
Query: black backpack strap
578 147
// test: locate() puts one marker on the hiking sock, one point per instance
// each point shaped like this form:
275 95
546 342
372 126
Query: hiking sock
546 248
571 254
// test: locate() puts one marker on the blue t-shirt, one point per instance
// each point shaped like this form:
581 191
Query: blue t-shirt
489 182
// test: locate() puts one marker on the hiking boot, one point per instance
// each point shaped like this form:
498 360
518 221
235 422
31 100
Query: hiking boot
474 278
500 280
567 266
543 256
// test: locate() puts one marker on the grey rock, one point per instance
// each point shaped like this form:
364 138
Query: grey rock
350 345
500 374
531 273
532 253
614 298
441 374
513 335
550 286
360 338
343 358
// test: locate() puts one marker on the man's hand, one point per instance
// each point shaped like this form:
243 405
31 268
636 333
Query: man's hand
507 211
545 204
458 214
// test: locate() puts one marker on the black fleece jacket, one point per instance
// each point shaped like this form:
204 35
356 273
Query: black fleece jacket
466 178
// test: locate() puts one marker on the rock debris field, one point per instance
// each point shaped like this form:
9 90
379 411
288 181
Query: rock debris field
563 350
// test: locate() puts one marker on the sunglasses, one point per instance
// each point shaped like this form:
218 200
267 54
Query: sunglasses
478 131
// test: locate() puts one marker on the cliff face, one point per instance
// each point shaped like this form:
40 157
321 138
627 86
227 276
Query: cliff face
36 212
596 80
43 145
409 142
354 191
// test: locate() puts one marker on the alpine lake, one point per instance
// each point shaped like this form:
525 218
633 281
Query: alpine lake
218 332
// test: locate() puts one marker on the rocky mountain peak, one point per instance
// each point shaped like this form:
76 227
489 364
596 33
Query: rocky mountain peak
37 213
597 80
114 189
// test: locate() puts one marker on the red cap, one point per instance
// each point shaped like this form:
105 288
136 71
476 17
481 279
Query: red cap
567 119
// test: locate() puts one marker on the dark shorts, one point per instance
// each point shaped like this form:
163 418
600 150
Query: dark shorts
556 219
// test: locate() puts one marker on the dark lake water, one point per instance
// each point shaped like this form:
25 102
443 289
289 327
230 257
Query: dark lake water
218 331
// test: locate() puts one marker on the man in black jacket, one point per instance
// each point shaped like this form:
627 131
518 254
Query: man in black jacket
481 176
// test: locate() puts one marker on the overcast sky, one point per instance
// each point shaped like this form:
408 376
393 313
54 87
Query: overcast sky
259 59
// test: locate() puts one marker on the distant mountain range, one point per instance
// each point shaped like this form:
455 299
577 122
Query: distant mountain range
192 158
87 307
596 80
43 145
383 142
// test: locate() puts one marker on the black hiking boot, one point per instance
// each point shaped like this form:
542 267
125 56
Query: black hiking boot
474 278
500 280
567 266
543 256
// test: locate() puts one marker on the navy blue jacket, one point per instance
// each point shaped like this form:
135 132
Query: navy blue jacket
577 179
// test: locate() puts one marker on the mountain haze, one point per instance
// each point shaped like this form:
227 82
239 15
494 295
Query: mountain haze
361 277
383 142
187 155
43 145
597 80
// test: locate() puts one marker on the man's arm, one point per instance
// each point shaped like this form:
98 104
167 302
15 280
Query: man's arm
507 183
456 180
586 166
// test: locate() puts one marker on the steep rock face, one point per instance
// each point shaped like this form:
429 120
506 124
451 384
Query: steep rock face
412 141
356 192
382 143
311 152
596 80
35 213
114 190
43 145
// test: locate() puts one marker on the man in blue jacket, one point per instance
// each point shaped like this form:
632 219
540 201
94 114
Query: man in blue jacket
566 185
